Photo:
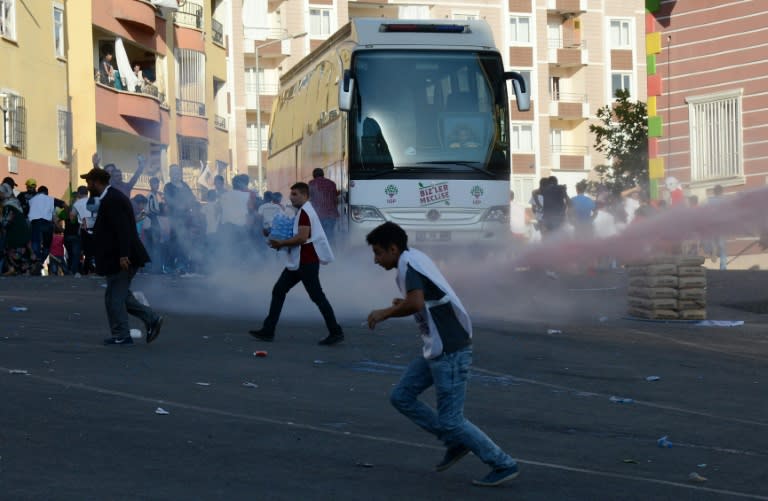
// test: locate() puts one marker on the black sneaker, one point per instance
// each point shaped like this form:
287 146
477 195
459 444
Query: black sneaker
119 340
262 335
331 339
498 477
452 456
153 330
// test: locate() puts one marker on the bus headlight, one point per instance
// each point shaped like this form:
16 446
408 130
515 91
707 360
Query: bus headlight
497 214
362 213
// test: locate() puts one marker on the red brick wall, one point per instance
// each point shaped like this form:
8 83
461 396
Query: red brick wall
710 47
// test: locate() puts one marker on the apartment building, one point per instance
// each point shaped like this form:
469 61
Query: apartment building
174 111
34 107
575 53
117 78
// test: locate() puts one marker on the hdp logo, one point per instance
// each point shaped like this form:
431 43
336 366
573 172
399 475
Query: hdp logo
391 190
477 192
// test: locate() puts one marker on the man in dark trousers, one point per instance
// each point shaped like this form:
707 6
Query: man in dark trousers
556 203
303 254
119 254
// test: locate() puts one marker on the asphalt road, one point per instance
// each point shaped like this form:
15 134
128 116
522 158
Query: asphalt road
315 422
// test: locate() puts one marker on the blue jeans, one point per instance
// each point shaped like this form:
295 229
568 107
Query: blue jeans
448 373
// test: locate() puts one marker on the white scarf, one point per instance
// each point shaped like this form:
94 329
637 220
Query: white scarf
433 345
317 238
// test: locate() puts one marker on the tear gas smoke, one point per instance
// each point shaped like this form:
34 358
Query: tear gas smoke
745 213
490 285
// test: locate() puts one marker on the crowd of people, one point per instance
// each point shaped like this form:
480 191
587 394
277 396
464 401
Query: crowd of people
44 235
603 214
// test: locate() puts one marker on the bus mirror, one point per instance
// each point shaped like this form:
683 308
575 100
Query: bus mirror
346 91
522 92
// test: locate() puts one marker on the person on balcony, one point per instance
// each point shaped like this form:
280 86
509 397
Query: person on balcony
106 70
141 80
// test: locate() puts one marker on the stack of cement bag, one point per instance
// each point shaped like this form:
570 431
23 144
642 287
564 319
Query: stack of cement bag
668 288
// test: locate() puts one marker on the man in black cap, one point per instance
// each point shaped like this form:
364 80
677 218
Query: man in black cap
119 254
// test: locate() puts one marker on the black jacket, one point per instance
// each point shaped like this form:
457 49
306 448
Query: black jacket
115 235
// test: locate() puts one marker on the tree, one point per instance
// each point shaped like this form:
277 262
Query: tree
621 134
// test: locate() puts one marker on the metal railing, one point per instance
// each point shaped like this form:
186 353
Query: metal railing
564 149
264 33
566 97
559 43
148 89
189 14
220 122
191 107
261 88
217 30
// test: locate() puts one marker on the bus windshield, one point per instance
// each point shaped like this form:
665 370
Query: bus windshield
426 113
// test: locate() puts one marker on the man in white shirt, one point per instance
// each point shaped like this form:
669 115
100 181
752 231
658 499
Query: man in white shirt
86 216
631 199
234 213
268 211
41 218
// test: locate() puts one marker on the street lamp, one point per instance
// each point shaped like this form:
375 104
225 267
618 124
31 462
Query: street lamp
258 104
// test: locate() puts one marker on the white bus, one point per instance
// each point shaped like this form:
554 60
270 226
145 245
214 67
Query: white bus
411 120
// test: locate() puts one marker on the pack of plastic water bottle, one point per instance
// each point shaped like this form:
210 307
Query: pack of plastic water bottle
282 227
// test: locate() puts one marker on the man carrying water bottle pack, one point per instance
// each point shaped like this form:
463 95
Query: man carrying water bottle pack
305 251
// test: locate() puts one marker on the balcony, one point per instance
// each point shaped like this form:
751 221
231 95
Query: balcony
190 107
263 33
129 104
134 11
566 157
190 15
565 106
256 37
567 53
266 96
566 7
132 20
135 113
